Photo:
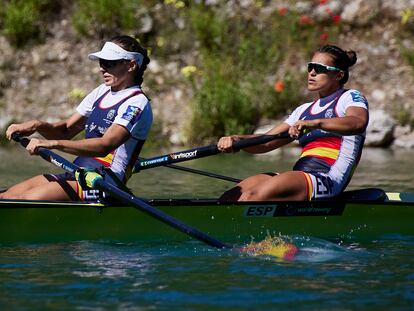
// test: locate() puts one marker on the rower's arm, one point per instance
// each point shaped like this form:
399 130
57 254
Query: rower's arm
354 122
63 130
58 130
274 144
225 143
115 136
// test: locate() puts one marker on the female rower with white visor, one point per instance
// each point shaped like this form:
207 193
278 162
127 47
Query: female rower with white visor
330 130
116 117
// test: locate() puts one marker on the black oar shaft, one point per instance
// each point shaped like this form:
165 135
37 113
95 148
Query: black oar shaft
258 140
201 152
161 216
209 174
203 173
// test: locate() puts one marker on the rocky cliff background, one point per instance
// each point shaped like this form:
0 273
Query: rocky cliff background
46 78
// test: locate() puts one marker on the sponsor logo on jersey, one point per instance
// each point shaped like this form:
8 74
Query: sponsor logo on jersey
91 127
358 97
111 114
131 114
102 129
329 113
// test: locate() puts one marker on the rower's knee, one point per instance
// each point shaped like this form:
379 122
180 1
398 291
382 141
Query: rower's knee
250 195
9 196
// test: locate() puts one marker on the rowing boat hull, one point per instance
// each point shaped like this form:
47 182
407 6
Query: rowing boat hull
34 221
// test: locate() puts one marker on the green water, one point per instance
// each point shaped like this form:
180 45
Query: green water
104 275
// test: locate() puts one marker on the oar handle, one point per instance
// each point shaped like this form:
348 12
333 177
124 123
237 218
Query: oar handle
24 141
258 140
201 152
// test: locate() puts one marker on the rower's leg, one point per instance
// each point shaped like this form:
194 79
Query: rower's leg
288 186
234 193
51 191
38 188
14 191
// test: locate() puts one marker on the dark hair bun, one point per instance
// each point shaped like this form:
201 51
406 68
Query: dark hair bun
352 58
146 58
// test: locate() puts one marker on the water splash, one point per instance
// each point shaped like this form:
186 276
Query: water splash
301 249
275 246
319 250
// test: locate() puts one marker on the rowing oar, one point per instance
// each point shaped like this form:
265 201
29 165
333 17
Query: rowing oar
199 172
201 152
96 181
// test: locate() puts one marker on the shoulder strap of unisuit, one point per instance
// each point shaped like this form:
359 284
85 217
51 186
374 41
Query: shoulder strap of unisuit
100 98
131 95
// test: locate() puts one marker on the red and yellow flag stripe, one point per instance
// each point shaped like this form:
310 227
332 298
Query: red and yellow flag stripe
106 160
326 149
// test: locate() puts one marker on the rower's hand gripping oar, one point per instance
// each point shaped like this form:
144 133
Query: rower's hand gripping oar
95 181
48 155
202 152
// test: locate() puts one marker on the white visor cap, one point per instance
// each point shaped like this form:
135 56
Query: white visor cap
112 51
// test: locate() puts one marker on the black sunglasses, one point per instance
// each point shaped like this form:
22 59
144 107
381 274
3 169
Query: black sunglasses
321 68
105 63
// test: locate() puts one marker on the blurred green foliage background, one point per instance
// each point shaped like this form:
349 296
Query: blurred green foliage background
245 67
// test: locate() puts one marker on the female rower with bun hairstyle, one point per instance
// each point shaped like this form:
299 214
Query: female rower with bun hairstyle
330 130
116 117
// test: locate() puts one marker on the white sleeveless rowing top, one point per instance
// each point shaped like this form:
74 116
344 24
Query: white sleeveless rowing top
328 159
129 108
